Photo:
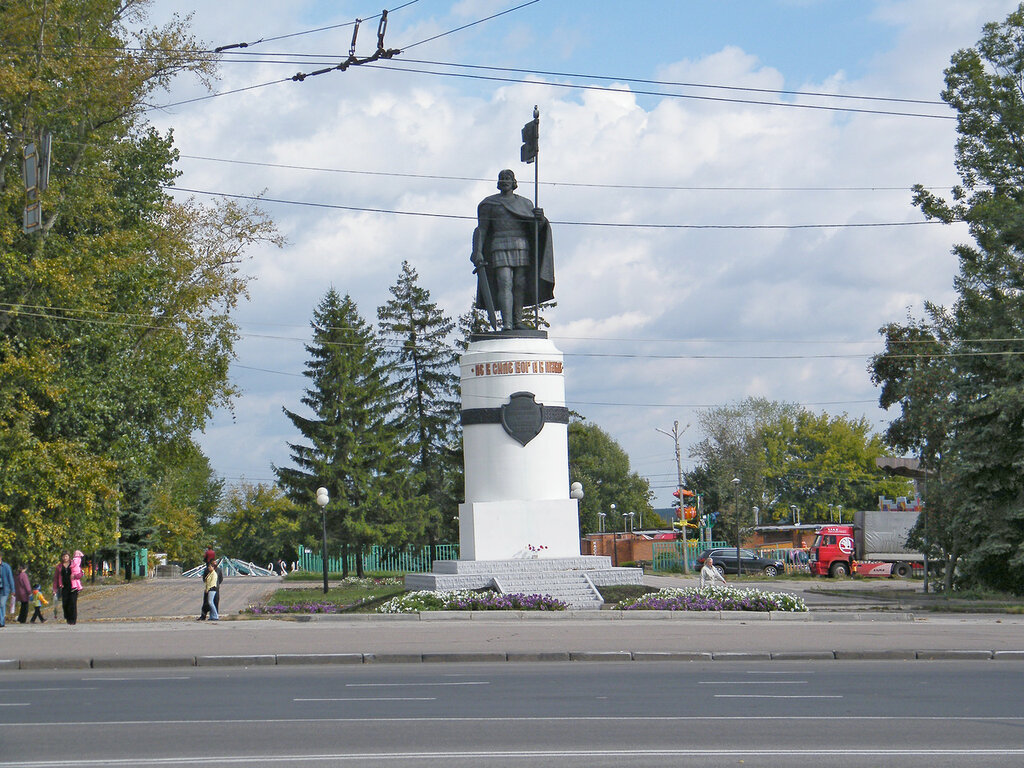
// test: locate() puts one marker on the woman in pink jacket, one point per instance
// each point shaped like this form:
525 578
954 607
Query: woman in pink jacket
67 582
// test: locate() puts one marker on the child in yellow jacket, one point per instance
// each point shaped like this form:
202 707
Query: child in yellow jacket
37 601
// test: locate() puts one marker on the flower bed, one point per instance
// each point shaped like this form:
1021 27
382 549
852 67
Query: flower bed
274 609
345 595
468 600
713 598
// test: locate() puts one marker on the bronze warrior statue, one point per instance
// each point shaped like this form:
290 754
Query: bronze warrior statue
505 254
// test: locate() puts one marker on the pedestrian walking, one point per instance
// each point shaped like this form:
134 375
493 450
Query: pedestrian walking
709 574
210 593
38 601
6 589
22 592
67 582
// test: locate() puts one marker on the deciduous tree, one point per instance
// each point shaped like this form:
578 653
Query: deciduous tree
117 309
602 466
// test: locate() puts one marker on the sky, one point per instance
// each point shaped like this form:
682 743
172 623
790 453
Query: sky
685 169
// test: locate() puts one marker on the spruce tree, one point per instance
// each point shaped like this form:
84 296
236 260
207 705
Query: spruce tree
352 443
964 410
418 339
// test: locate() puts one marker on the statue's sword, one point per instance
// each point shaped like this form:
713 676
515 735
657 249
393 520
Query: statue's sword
483 283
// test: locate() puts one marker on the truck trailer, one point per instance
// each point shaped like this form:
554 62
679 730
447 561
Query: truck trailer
875 545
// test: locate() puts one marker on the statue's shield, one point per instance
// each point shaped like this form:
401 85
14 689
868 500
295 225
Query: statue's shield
522 417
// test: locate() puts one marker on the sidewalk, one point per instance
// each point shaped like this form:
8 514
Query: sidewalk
145 641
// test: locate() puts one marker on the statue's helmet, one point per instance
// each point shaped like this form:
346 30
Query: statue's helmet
507 175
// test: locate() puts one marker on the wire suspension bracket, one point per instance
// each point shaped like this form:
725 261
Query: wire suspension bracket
353 60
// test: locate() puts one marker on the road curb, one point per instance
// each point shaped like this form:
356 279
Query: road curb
939 655
294 659
133 662
804 656
310 659
247 660
672 656
876 655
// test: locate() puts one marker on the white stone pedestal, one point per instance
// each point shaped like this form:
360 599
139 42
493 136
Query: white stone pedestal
518 529
517 485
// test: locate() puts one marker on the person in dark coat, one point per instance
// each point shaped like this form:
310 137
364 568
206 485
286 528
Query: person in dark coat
22 593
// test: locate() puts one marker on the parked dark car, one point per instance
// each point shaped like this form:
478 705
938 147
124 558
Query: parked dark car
725 561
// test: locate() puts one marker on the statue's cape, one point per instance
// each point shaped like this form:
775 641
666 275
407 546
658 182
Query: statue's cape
522 208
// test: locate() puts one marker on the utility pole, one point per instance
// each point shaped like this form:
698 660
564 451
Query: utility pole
675 434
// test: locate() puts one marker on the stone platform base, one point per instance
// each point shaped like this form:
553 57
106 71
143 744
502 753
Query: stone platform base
573 580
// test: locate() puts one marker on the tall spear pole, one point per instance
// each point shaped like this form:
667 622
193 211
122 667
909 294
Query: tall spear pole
536 227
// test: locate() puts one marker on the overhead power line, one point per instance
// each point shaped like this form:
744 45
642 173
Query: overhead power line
603 224
571 184
665 94
352 59
223 48
122 320
143 318
680 84
467 26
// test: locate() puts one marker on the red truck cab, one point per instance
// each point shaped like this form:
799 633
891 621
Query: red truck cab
833 551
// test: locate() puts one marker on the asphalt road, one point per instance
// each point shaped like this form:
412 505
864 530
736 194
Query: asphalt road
587 714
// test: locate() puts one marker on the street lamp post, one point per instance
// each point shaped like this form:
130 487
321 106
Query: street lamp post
322 498
736 511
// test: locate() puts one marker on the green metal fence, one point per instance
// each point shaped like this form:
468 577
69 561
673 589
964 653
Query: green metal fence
668 555
384 559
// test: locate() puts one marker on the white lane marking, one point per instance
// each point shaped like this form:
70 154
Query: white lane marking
524 754
412 685
597 718
14 704
793 672
752 682
775 696
381 698
34 690
132 679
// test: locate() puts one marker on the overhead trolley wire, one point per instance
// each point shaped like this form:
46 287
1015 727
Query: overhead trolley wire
352 60
636 92
604 224
223 48
467 26
573 184
747 89
51 313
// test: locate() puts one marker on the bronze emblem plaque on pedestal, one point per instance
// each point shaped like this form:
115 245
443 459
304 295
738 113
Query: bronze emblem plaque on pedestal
522 417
